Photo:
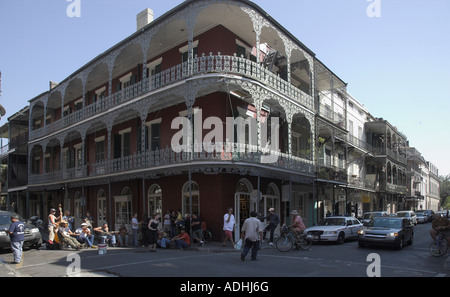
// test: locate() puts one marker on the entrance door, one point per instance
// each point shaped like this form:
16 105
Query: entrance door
123 212
101 211
242 212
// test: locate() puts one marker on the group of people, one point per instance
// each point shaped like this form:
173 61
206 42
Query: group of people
61 228
173 228
252 231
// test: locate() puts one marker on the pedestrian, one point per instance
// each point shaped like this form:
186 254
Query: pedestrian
274 220
297 226
228 226
182 240
122 236
52 225
84 236
166 222
135 228
16 233
145 231
251 233
153 232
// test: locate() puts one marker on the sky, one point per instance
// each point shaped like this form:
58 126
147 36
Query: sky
394 54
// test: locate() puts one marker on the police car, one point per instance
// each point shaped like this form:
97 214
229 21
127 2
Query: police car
335 228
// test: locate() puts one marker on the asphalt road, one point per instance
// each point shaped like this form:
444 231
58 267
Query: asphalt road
323 260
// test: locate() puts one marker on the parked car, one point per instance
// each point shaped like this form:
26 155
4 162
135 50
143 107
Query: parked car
408 214
33 237
372 214
421 217
390 231
429 213
335 228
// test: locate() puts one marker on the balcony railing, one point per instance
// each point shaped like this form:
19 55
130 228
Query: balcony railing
382 151
150 160
200 65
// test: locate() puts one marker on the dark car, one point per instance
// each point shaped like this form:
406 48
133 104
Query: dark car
33 237
388 231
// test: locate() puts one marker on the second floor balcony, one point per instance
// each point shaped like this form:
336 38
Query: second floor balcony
159 161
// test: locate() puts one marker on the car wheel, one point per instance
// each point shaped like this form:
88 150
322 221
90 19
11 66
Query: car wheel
341 238
401 244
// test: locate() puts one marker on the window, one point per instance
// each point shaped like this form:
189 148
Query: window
100 151
154 200
186 202
153 135
122 144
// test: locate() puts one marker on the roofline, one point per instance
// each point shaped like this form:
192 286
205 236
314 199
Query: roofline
173 11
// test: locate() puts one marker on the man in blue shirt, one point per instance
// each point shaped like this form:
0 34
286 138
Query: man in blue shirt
17 236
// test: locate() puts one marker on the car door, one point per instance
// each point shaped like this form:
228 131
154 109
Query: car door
349 229
357 226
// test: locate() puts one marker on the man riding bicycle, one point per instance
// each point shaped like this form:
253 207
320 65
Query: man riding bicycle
440 225
297 226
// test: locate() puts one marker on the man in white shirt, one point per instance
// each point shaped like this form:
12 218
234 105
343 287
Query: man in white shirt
228 226
252 233
135 228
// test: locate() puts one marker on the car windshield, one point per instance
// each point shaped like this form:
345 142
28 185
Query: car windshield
368 215
419 214
386 223
332 222
5 219
402 214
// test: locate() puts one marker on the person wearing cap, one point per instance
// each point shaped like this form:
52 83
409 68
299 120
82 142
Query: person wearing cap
274 220
52 225
16 233
84 235
64 235
297 226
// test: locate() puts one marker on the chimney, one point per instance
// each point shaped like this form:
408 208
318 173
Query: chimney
144 18
53 85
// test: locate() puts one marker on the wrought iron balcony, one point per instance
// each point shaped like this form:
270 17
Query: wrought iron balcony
160 159
199 66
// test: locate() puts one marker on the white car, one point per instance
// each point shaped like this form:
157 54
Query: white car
335 228
408 214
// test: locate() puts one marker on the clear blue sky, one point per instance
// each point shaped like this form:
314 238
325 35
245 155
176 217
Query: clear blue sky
397 65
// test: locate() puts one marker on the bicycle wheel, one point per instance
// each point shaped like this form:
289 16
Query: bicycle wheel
437 250
284 243
304 243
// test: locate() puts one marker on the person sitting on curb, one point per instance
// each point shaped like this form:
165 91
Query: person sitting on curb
64 235
84 236
182 240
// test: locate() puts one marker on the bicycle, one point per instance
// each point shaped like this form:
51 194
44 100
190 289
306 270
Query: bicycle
439 247
288 239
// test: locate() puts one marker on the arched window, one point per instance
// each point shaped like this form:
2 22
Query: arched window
154 196
101 207
186 202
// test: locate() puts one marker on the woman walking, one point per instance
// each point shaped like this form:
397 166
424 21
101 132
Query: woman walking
153 232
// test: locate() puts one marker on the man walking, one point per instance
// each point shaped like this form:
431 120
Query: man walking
228 226
251 233
16 233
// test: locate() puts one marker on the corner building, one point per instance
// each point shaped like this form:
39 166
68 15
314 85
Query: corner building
101 140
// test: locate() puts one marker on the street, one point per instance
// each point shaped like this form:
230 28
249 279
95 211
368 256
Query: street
323 260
